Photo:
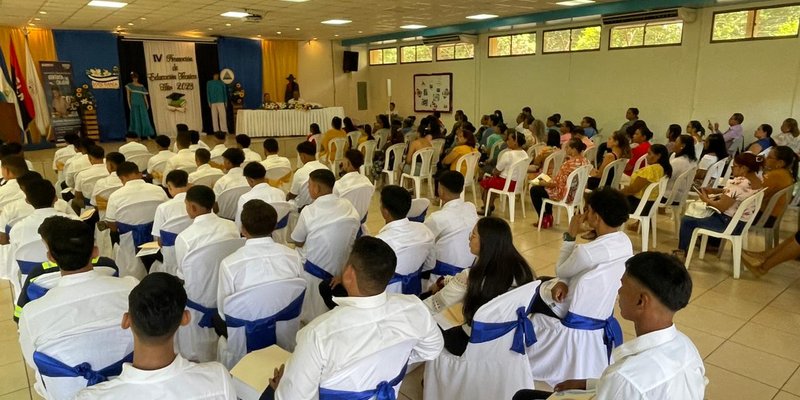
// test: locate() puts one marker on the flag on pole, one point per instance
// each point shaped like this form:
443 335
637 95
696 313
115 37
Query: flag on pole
7 89
26 108
36 93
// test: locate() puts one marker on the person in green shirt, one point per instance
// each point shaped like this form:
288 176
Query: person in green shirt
217 96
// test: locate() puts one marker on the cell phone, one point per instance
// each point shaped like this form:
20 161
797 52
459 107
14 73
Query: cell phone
696 189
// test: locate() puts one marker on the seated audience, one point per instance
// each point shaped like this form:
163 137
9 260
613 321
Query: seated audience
172 209
72 140
558 187
673 132
232 160
353 179
15 211
243 142
658 166
273 160
579 134
640 139
589 126
451 226
78 162
683 159
184 159
314 132
503 171
422 142
86 179
618 146
255 175
789 135
299 190
464 144
219 148
764 140
734 131
194 137
113 161
713 150
336 131
12 168
202 158
157 163
132 145
41 195
566 130
696 130
780 170
206 227
491 132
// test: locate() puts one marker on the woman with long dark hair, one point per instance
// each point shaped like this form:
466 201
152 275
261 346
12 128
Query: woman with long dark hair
714 149
498 268
683 159
657 167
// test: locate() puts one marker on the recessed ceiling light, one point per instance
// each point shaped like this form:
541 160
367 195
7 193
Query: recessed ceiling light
235 14
37 19
413 26
574 2
482 16
278 32
43 12
337 21
227 24
107 4
211 29
143 18
335 35
313 38
130 23
258 35
360 31
297 29
31 24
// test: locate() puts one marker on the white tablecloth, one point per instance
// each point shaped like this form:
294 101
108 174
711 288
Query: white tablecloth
259 123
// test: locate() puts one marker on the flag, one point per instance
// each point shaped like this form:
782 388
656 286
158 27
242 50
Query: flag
36 93
8 90
26 108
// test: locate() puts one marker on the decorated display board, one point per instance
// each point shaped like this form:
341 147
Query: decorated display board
173 84
433 92
63 103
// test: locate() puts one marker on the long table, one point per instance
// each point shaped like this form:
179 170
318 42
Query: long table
260 123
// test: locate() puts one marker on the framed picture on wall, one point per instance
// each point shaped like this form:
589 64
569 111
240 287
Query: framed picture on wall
433 92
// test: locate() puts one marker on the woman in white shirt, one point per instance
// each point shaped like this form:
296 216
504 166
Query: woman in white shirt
696 130
502 170
714 149
498 268
684 159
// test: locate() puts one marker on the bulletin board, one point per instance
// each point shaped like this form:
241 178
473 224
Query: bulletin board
433 92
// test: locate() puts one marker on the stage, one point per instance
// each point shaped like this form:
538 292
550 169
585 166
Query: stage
265 123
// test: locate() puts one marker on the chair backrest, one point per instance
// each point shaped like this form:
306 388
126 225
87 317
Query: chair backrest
591 154
753 203
29 255
785 193
726 174
90 182
371 371
438 146
208 180
680 188
353 137
714 172
640 163
138 213
339 145
453 247
229 199
501 309
552 163
382 135
200 269
519 172
340 235
493 151
397 151
106 193
140 159
410 260
317 140
425 157
576 184
698 149
276 173
660 187
175 226
360 197
45 282
736 146
471 162
188 168
533 151
368 148
617 168
419 207
282 208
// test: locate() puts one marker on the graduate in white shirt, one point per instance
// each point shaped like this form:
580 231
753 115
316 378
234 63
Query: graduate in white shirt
260 189
82 301
661 363
134 190
113 161
78 162
202 158
402 234
392 330
299 192
451 226
69 150
184 158
352 180
13 167
220 138
157 163
174 208
41 195
15 211
86 179
206 226
232 160
156 309
243 142
132 145
272 160
194 137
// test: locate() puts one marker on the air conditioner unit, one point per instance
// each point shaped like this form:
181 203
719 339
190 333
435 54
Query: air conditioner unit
682 13
455 38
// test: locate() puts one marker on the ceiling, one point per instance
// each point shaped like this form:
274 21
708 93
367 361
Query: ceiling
298 21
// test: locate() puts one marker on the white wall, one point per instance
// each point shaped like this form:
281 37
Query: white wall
671 84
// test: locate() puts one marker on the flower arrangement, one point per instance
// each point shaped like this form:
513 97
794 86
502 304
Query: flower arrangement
84 99
295 106
237 96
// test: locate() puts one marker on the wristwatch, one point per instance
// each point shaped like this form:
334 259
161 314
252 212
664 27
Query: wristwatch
568 237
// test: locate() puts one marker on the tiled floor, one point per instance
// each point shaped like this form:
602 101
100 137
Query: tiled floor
747 330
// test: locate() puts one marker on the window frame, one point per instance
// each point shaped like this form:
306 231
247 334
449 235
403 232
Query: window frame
752 29
599 45
381 50
436 50
415 46
511 35
644 35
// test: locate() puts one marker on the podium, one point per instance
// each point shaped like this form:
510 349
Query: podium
9 128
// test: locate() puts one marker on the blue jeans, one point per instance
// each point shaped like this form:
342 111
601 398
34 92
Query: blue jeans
717 223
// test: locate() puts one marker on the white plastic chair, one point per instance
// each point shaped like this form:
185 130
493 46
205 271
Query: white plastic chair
754 203
140 159
726 175
616 167
736 146
258 303
591 155
553 162
698 149
390 169
713 172
168 233
493 151
158 169
421 161
368 148
188 169
410 261
676 198
360 197
438 148
418 210
135 214
208 180
772 235
576 179
518 172
353 138
317 141
26 257
533 151
284 210
228 200
649 219
200 271
340 145
382 136
471 162
640 163
491 369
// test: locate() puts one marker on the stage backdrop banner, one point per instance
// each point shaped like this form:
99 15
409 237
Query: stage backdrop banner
62 105
243 56
173 84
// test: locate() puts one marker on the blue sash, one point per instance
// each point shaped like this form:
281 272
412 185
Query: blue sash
50 367
384 391
167 238
261 333
35 291
419 218
315 270
411 283
524 335
141 233
360 226
282 223
612 332
208 313
26 266
444 269
8 229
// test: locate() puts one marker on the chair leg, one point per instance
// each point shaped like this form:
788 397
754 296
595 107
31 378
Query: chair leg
474 195
645 223
689 252
652 222
541 215
736 243
417 187
522 204
703 244
511 205
488 204
570 212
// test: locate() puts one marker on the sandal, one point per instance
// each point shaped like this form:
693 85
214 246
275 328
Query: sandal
753 264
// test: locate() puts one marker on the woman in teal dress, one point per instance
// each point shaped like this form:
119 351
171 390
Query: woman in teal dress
138 104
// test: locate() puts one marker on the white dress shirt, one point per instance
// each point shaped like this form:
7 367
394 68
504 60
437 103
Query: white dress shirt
110 181
508 159
75 165
251 156
181 380
350 181
324 211
85 180
300 182
183 159
205 229
131 148
14 212
359 327
276 161
10 192
233 178
402 234
259 261
217 151
204 171
199 145
452 226
162 155
78 303
169 210
27 230
262 191
663 364
135 191
68 150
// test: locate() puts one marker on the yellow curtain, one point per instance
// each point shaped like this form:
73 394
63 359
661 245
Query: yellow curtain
43 48
279 59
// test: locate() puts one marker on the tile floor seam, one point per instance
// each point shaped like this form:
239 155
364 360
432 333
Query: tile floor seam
790 378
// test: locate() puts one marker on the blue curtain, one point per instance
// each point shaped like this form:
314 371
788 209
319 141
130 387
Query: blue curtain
93 49
243 56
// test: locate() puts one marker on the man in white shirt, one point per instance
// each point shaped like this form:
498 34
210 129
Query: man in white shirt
299 192
351 180
69 150
232 160
12 168
82 301
184 158
132 145
295 99
85 180
243 142
272 161
206 226
15 211
113 161
156 309
177 185
202 157
220 138
661 363
194 137
452 226
391 330
261 190
78 162
157 163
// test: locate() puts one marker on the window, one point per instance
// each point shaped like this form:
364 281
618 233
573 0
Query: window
773 22
383 56
414 54
457 51
650 34
512 45
576 39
